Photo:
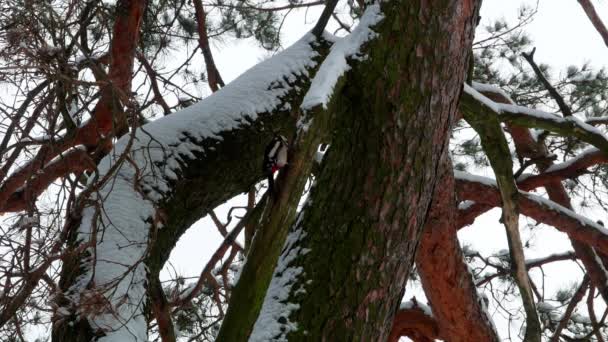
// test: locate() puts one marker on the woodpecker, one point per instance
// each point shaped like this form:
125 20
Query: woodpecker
275 158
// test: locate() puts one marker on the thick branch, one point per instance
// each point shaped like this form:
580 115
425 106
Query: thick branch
414 323
595 19
496 147
527 147
458 311
538 208
108 116
166 174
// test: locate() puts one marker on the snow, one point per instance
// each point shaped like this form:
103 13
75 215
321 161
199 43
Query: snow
488 88
538 199
273 322
568 163
413 304
474 178
464 205
336 63
581 319
545 307
121 224
510 108
500 108
482 98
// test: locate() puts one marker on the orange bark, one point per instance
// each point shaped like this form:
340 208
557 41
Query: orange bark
527 147
415 324
108 118
445 278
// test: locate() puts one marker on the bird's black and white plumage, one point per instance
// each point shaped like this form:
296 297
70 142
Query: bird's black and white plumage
275 158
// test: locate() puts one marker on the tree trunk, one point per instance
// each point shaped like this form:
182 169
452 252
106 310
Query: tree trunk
342 271
196 171
458 310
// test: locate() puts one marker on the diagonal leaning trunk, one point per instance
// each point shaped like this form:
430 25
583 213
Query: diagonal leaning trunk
343 268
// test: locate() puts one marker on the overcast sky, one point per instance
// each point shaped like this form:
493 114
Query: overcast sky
563 36
561 32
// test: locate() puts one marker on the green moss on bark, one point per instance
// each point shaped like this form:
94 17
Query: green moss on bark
371 198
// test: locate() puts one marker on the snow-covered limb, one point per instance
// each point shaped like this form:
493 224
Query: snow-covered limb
474 101
336 63
485 88
497 150
168 155
273 321
414 320
536 207
602 120
569 169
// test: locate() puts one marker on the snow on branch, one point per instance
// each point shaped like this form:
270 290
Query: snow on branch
414 320
532 118
146 166
273 322
336 63
485 191
569 169
496 148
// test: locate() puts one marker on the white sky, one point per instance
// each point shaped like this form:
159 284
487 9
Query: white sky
563 36
561 33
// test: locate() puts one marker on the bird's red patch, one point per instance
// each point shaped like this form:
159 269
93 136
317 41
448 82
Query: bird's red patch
275 168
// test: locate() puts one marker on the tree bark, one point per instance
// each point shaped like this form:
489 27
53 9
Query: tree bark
457 308
527 147
343 269
229 165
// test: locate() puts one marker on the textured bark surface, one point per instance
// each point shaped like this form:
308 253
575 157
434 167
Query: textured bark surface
370 201
527 147
497 150
279 215
193 196
201 186
415 324
447 283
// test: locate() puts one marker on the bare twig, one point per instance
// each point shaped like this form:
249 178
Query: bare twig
213 75
529 57
578 295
